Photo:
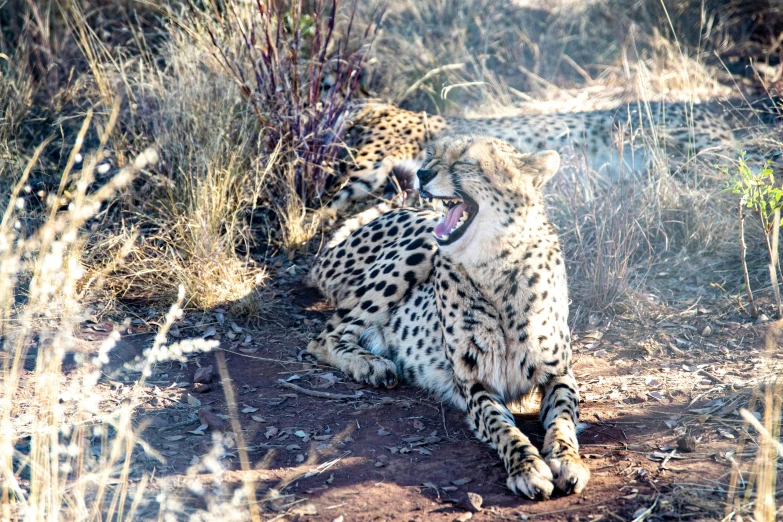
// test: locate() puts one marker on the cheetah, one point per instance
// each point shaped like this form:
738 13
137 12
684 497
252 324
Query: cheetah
470 304
614 142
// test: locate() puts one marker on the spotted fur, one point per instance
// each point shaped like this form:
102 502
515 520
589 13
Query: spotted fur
479 319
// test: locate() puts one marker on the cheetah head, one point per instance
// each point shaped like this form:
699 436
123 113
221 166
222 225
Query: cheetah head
483 184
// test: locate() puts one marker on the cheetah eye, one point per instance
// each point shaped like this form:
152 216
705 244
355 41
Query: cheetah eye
463 164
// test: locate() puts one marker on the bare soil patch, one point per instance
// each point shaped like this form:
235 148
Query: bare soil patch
402 455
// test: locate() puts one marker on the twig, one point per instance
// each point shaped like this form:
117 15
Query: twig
667 458
443 416
319 394
267 359
711 377
641 516
563 510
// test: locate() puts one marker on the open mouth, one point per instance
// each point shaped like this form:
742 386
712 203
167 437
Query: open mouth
458 213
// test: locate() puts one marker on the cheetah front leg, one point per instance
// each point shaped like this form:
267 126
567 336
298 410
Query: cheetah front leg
337 345
559 413
478 345
493 423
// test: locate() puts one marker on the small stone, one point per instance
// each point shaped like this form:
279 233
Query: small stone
203 375
706 331
762 319
200 387
470 501
379 464
686 443
212 421
464 517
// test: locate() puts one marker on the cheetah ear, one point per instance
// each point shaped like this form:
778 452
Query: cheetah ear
542 166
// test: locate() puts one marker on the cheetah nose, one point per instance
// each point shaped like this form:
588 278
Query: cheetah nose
425 176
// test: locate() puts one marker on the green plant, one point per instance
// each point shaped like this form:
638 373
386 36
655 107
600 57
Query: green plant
758 192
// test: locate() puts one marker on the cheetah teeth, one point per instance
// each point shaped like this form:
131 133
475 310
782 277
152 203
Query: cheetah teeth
459 224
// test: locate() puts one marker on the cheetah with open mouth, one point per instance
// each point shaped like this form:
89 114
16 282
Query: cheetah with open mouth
470 303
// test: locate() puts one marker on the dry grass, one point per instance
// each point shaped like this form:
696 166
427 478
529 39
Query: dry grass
57 415
506 52
756 495
242 167
615 235
189 220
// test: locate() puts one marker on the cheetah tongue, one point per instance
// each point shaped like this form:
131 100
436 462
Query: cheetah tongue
451 221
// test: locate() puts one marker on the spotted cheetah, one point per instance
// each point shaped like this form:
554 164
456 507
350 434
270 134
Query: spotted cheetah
470 304
611 142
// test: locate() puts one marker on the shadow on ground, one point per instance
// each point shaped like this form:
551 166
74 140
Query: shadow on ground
399 454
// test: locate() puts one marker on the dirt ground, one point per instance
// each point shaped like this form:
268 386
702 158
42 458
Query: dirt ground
373 454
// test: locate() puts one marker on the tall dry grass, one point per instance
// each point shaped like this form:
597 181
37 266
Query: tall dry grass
65 453
168 228
184 227
189 221
753 483
48 466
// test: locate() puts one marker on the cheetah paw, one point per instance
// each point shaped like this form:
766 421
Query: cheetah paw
534 480
374 370
570 472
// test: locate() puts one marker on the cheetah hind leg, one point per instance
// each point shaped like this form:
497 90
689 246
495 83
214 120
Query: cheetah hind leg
561 449
337 345
493 423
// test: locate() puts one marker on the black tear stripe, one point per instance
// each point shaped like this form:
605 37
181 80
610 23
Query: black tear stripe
455 181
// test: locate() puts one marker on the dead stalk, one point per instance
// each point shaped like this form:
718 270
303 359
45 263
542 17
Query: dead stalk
247 481
743 249
316 393
774 261
771 242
